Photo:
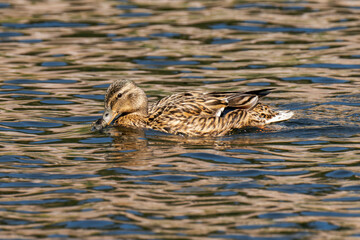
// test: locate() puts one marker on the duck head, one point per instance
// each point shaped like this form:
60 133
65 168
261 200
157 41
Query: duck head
123 97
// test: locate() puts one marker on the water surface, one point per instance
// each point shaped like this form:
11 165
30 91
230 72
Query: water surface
293 180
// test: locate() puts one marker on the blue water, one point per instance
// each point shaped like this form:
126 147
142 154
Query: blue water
292 180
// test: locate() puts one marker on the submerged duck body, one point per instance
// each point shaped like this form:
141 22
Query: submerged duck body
190 113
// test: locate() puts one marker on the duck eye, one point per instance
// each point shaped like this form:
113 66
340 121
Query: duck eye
119 95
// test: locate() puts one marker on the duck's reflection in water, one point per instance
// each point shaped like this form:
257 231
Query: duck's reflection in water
139 147
129 146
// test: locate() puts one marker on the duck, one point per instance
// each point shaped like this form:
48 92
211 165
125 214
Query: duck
193 113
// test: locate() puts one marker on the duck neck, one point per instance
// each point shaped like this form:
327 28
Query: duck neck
137 119
143 107
143 111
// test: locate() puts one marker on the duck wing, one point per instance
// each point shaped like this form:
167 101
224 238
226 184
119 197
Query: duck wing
207 104
190 103
208 114
240 100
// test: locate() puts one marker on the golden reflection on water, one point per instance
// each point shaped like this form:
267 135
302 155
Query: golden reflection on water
296 179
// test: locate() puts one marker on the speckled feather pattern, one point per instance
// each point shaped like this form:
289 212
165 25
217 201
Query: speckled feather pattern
199 114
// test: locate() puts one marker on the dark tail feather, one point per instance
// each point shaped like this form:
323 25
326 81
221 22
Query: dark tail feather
243 101
247 100
261 92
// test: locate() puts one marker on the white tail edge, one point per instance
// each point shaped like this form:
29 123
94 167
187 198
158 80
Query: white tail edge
281 116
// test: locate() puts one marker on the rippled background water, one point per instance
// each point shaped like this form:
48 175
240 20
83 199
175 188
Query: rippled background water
297 179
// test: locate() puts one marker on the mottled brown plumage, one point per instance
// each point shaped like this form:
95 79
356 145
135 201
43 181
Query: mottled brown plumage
191 113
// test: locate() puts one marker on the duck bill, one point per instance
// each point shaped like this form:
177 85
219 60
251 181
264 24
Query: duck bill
108 117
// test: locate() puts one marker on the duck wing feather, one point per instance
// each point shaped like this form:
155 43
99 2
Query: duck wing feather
196 113
206 104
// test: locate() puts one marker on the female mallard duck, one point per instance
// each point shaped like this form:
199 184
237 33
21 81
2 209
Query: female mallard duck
190 113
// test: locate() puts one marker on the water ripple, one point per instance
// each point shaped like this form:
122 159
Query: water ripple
291 180
245 28
214 158
252 173
51 24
